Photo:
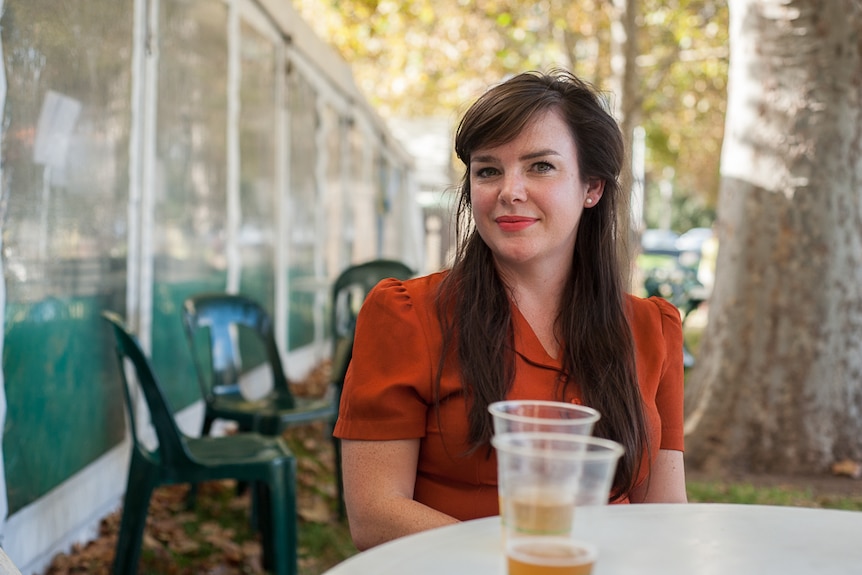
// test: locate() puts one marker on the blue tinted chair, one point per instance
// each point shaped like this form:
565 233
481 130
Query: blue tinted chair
224 318
265 461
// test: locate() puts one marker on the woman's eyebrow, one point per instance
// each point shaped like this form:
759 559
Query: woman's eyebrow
529 156
483 158
539 154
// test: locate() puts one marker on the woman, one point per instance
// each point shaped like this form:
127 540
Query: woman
533 307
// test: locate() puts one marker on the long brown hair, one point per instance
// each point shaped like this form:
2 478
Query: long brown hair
475 312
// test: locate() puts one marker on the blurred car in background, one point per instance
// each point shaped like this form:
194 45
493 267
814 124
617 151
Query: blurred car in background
690 245
693 239
660 242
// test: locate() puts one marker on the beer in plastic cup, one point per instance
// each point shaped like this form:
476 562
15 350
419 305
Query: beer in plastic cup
542 479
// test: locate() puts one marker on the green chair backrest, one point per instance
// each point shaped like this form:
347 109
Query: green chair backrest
348 293
359 280
171 449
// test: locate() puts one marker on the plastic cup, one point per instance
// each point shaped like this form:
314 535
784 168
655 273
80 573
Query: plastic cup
542 479
524 415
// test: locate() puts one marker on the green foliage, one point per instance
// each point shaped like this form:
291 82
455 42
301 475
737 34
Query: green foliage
324 544
787 495
709 492
691 337
687 210
684 56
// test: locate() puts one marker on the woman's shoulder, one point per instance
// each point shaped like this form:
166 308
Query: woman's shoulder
417 287
652 311
656 325
396 294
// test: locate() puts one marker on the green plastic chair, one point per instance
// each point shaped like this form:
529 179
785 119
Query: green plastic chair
264 461
221 316
348 293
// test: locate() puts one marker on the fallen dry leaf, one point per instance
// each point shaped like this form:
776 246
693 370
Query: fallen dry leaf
317 512
151 542
184 546
847 467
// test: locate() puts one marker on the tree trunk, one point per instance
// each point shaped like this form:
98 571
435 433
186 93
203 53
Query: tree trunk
624 83
778 386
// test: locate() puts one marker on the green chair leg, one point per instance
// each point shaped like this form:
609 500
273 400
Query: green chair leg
282 521
136 503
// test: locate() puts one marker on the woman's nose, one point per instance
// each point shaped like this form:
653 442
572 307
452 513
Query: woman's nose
512 189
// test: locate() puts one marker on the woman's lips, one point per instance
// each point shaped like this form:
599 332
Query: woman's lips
514 223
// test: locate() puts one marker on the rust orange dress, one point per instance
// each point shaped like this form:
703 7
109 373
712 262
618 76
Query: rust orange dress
388 391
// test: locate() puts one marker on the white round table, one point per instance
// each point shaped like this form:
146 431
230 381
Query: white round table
648 539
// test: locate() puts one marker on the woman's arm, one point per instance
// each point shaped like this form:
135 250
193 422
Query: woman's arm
379 477
666 481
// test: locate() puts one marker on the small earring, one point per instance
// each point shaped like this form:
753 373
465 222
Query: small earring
589 201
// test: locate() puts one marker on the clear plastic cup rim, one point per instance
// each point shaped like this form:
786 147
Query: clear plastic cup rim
590 415
608 447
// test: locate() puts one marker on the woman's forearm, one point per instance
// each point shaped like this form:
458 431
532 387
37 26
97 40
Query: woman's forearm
379 478
392 518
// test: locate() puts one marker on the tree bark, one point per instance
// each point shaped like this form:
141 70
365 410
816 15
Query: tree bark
778 384
624 83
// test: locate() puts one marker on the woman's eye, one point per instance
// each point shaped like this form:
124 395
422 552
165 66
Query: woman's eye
543 167
486 172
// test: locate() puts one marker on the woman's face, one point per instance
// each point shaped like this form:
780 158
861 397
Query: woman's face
528 195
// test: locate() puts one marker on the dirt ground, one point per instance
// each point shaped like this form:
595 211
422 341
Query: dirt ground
819 484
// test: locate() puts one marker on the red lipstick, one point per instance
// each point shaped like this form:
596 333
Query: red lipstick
514 223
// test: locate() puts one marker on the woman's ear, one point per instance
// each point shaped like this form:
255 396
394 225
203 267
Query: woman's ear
595 189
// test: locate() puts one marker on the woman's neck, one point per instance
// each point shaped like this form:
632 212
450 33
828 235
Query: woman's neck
538 297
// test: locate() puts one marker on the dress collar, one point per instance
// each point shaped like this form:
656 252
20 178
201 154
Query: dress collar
527 344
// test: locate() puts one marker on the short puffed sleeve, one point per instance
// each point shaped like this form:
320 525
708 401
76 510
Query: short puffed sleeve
387 390
670 392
